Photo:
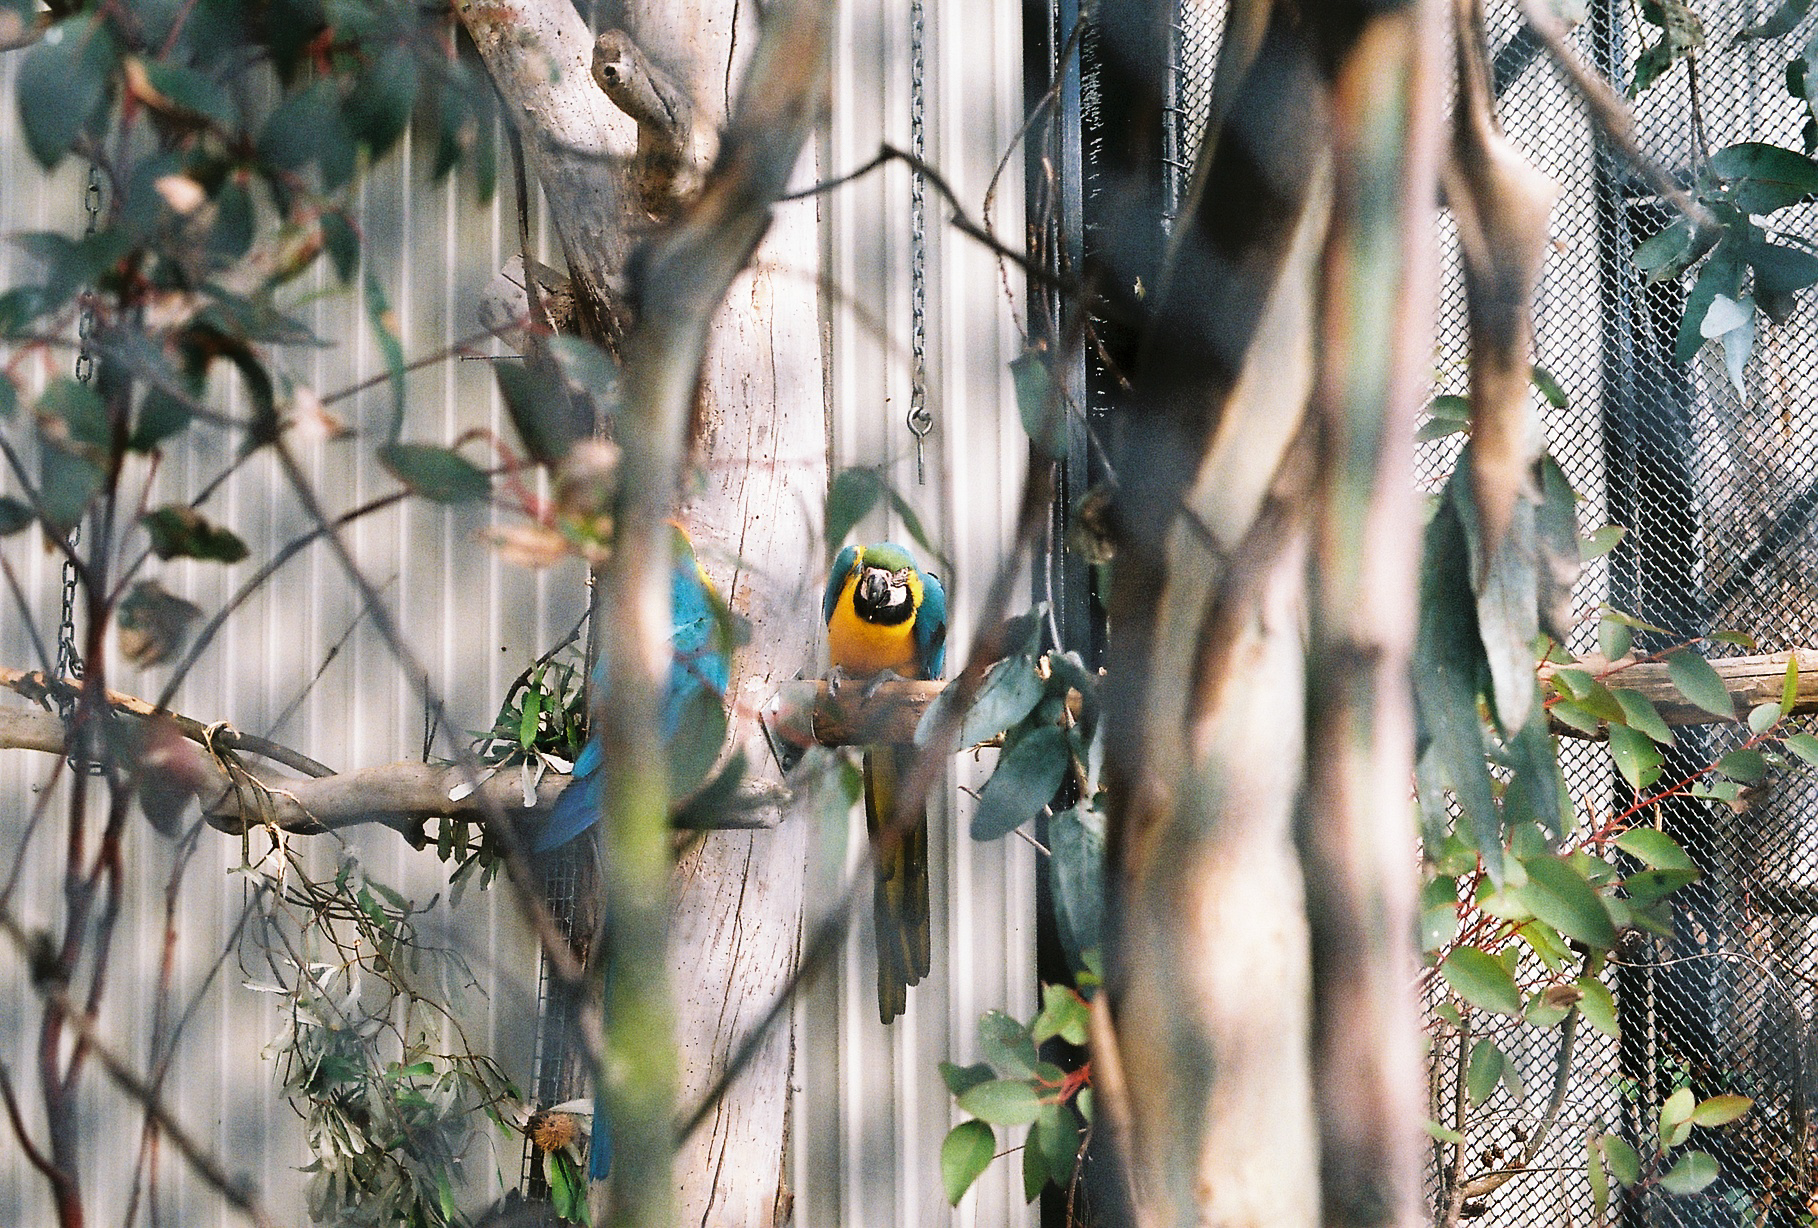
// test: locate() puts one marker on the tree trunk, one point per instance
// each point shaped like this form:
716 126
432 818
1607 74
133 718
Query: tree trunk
763 445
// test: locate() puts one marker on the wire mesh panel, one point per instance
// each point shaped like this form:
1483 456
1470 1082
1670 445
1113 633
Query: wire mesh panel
1717 489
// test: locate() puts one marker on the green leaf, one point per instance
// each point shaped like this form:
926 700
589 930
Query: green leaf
962 1079
191 93
1805 746
1002 1102
1007 1045
1676 1117
436 473
179 531
68 483
1439 428
161 415
1780 21
965 1153
1654 848
1441 1133
1650 885
1076 876
1599 1179
384 328
1699 683
1043 412
1452 409
1481 980
14 516
1736 639
1061 1130
1613 639
1789 687
1721 275
1636 757
1063 1015
1694 1171
1598 1007
1559 895
849 500
1599 542
63 82
379 107
343 244
1008 694
1483 1072
1720 1110
1447 657
1639 713
1767 177
1763 717
1747 766
1549 388
547 418
1026 778
1625 1164
81 411
1577 716
1035 1165
1438 912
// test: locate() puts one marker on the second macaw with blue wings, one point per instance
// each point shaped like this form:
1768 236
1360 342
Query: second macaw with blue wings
886 616
701 667
699 671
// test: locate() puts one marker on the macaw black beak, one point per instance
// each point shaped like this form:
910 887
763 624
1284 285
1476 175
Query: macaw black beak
883 597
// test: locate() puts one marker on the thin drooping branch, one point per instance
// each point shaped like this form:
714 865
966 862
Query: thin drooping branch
78 1021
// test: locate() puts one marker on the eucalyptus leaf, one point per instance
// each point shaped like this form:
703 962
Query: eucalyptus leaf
1026 778
1699 683
1655 848
1692 1172
1481 980
965 1154
1002 1102
1560 896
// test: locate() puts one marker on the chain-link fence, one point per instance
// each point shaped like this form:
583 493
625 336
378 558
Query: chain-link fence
1717 492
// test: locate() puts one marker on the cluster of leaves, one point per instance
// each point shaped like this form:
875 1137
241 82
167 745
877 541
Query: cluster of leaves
1522 907
224 139
1014 1087
1609 1155
541 728
388 1116
1747 268
1042 708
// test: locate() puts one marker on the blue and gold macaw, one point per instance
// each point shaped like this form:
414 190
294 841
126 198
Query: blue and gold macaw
700 670
702 666
887 617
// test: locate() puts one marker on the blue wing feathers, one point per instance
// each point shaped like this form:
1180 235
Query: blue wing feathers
836 580
702 663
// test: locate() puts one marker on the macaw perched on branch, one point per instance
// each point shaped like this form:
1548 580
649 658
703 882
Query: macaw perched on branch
886 618
698 675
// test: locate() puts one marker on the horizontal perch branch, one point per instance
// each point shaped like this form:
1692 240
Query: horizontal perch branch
807 711
1750 680
402 796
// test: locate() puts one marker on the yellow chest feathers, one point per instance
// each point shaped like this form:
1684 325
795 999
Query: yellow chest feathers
861 648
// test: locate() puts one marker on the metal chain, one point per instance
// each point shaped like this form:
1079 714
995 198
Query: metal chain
69 660
921 420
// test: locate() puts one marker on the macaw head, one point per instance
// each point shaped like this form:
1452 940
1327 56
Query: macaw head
889 588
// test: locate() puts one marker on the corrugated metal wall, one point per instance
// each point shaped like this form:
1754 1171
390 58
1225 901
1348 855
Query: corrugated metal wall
299 664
